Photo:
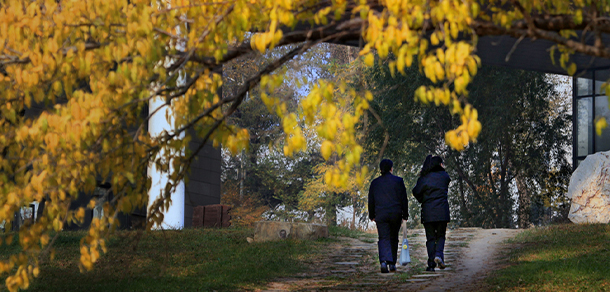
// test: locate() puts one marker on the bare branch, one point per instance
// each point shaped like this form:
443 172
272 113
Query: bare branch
512 50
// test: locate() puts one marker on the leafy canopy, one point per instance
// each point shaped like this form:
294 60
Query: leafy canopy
88 69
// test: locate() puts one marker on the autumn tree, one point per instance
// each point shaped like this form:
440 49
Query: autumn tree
261 175
93 66
345 67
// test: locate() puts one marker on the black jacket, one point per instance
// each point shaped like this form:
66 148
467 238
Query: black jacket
388 198
431 191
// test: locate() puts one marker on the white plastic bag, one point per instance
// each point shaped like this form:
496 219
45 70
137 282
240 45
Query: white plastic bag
405 258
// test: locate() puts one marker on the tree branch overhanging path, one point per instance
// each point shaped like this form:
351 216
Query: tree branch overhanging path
91 68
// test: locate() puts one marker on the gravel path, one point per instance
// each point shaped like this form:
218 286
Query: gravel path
352 265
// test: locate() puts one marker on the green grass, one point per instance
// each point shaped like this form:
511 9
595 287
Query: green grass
187 260
565 257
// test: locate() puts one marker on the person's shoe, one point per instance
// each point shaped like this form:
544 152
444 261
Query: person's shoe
384 267
439 262
429 269
392 268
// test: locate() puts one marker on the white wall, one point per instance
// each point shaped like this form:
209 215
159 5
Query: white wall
174 217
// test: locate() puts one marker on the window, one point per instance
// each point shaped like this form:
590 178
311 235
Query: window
602 142
590 101
584 138
584 86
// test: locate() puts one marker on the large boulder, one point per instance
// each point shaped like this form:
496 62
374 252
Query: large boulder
589 190
274 230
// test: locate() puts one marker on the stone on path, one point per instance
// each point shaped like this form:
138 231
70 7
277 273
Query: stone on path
347 263
383 275
430 275
343 271
589 190
417 280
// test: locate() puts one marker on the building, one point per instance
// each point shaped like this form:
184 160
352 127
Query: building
203 188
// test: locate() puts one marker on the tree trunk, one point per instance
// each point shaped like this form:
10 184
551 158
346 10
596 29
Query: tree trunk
477 196
463 208
331 215
525 202
504 189
353 225
242 177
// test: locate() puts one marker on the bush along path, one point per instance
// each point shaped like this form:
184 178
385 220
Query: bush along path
351 264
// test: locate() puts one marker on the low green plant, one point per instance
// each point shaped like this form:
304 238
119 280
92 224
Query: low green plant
566 257
187 260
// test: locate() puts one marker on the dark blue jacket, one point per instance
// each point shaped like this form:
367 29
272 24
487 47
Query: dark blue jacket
388 198
431 191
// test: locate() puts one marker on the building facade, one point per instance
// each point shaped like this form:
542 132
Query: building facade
589 102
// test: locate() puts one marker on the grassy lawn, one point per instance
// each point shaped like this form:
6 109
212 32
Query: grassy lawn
187 260
565 257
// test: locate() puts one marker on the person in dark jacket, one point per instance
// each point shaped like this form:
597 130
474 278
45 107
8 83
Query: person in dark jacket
388 206
431 191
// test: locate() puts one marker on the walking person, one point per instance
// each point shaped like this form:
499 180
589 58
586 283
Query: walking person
431 192
388 206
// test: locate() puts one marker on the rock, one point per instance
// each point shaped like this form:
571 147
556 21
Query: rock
309 231
250 239
274 230
589 190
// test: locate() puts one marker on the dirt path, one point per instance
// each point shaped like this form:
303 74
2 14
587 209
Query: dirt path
474 263
352 265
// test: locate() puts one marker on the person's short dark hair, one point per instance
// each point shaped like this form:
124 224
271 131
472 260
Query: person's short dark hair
385 166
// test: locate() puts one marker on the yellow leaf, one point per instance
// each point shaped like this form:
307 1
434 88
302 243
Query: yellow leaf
600 125
572 69
80 214
369 60
326 149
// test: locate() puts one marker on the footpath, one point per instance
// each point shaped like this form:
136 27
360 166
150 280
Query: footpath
352 264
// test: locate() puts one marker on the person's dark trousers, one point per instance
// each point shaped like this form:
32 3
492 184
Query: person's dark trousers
388 228
435 241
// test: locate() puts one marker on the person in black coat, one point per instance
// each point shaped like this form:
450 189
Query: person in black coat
431 191
388 206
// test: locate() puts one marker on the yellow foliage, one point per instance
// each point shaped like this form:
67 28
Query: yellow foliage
130 53
600 125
